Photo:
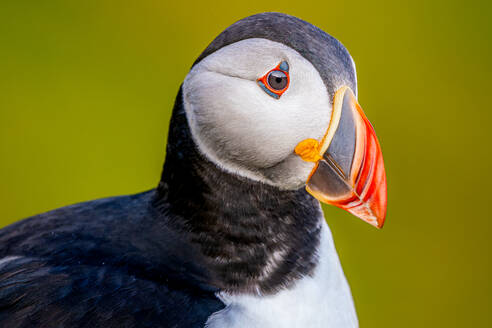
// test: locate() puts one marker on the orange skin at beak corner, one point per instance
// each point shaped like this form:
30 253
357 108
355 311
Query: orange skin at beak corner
349 171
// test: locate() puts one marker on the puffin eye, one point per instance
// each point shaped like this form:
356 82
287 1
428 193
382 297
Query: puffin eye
276 81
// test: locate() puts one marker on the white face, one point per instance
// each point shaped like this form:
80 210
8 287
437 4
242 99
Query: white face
243 129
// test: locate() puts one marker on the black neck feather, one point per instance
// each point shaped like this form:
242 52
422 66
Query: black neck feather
254 237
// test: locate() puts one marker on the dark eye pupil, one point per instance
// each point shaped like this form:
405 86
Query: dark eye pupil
277 80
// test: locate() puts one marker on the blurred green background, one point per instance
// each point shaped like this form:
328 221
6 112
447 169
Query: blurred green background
87 87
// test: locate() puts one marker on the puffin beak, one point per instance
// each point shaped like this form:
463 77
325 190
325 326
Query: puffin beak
349 171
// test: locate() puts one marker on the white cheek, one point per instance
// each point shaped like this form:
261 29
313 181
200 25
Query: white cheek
241 127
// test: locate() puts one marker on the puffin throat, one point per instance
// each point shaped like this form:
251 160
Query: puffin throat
254 238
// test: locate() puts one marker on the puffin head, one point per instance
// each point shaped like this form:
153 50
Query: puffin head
273 99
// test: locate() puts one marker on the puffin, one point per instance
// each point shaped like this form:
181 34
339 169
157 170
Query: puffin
265 126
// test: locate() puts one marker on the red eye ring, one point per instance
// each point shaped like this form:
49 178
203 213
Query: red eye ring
265 84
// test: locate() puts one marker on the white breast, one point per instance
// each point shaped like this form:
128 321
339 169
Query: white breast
323 300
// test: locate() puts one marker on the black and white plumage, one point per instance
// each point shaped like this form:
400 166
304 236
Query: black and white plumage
229 238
